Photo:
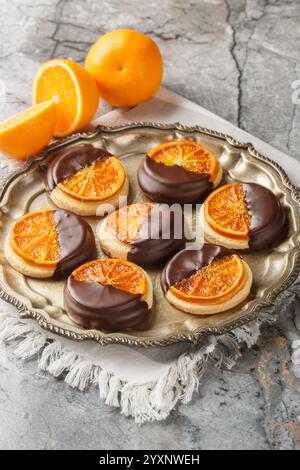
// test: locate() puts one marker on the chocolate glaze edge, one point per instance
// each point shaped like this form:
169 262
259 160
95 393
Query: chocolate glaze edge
187 262
69 162
268 217
170 184
76 241
93 305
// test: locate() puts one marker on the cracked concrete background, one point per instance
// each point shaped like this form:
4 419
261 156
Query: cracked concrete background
237 58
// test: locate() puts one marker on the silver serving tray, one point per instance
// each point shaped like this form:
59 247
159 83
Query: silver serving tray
273 269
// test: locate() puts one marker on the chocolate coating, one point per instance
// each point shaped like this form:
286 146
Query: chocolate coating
268 218
156 241
93 305
76 241
187 262
68 162
170 184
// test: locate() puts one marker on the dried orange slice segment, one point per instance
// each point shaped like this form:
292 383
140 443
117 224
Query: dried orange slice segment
114 272
97 182
213 283
34 238
127 222
187 154
227 213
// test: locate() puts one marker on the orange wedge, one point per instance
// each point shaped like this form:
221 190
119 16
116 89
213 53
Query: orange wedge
114 272
127 222
28 132
97 182
34 238
187 154
227 213
214 283
72 89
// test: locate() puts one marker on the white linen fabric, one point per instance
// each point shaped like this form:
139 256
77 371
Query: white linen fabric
146 384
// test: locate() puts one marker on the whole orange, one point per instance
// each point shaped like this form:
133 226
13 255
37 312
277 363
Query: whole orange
127 66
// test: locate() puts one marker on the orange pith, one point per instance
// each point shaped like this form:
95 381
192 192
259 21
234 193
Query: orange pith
114 272
97 182
227 213
187 154
126 222
214 283
34 238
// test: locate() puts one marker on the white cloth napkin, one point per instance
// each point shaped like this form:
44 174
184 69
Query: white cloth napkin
146 384
169 107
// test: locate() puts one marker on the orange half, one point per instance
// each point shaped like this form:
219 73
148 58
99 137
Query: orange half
73 91
227 213
189 155
97 182
34 238
114 272
28 132
127 222
214 283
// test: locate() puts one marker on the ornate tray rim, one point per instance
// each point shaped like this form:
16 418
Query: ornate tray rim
123 338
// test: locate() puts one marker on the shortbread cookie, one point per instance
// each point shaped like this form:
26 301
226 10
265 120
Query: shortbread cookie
108 294
145 233
87 181
49 243
242 216
181 171
207 280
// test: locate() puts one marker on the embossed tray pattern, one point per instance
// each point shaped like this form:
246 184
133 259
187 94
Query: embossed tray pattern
274 269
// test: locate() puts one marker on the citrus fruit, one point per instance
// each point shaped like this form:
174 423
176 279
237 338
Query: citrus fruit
187 154
97 182
213 283
127 222
114 272
127 66
73 91
226 211
29 131
34 238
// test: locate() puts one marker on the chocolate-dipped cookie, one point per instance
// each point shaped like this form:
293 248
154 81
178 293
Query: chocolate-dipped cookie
145 233
206 280
108 294
49 243
86 180
243 216
180 171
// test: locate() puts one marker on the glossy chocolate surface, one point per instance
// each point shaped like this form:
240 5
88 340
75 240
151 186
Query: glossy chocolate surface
76 241
170 184
268 218
95 306
68 162
188 262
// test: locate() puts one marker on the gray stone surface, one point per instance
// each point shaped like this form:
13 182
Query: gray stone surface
237 58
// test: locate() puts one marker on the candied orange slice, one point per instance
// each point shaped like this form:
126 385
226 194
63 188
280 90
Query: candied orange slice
227 213
213 283
34 238
127 222
114 272
97 182
187 154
